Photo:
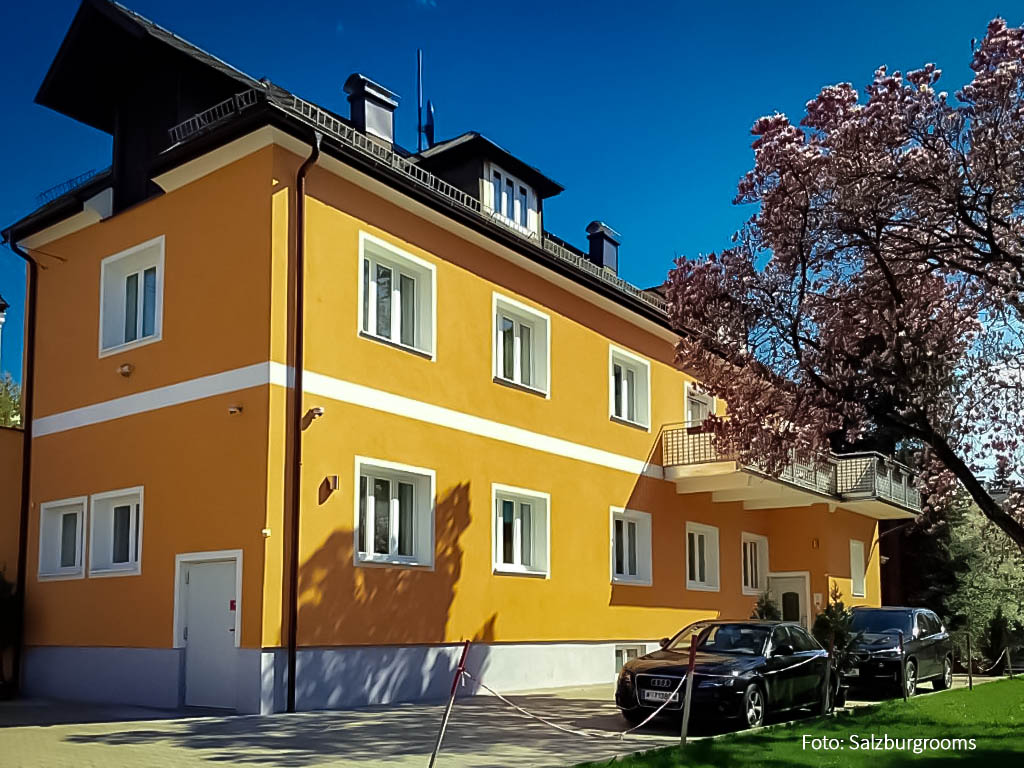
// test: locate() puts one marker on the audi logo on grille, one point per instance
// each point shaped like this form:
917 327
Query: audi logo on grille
661 682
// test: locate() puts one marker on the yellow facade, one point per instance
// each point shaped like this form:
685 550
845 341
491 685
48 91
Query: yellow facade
215 480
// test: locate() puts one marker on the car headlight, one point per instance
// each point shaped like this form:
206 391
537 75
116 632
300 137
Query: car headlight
625 678
717 682
888 653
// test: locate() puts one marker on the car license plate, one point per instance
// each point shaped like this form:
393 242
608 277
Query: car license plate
853 672
660 696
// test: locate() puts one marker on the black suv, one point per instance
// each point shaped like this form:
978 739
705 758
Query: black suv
876 657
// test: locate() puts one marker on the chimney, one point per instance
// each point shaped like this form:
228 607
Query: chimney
372 107
604 246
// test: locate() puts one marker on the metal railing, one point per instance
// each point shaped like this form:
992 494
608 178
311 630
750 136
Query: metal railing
875 475
846 476
51 194
385 155
215 114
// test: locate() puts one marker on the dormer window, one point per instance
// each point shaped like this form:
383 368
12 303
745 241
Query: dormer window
510 200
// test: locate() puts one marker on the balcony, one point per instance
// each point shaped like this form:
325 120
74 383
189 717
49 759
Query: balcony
867 483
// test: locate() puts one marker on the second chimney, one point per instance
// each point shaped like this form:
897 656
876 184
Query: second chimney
372 107
604 245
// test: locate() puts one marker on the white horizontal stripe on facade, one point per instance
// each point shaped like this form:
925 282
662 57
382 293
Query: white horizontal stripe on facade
173 394
344 391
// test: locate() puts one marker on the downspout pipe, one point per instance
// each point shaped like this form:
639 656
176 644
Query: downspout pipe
295 459
27 391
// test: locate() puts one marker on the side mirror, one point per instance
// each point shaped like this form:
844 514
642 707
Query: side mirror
786 649
664 642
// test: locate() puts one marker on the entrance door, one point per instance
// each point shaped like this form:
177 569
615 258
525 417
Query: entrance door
789 594
210 653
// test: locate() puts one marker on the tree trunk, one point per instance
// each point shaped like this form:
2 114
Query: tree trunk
988 506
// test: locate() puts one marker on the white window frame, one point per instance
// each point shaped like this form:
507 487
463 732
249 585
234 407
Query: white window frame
497 209
644 576
760 543
540 507
134 495
191 558
640 367
638 648
424 507
117 303
379 251
692 391
61 507
712 559
857 556
540 334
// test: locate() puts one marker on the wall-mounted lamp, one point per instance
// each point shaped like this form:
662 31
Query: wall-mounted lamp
266 533
815 544
317 412
126 369
332 482
235 409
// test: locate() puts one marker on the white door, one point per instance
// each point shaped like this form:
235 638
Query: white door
789 593
210 653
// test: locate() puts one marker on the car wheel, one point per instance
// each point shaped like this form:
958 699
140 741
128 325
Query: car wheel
910 677
944 681
753 706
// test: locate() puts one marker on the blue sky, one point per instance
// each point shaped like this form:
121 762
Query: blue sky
642 111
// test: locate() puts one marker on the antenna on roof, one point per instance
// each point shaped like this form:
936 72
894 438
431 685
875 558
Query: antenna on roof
419 99
427 128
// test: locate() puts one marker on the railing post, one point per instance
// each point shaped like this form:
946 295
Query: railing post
903 668
970 664
689 689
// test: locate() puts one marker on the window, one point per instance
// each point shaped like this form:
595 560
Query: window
520 530
115 539
631 547
701 557
754 554
522 340
699 405
394 513
629 387
625 653
131 296
396 295
511 201
61 527
857 568
802 641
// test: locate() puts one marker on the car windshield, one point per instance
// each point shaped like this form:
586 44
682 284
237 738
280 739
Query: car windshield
745 639
881 622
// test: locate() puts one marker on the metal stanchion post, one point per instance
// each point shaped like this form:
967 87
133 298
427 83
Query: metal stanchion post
689 689
970 664
903 668
1009 662
451 701
828 674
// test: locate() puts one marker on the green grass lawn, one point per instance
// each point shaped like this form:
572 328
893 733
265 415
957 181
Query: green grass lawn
991 714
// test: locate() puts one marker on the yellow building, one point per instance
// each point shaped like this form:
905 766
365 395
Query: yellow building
495 442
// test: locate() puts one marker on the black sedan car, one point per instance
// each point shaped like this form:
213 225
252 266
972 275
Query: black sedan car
876 657
744 669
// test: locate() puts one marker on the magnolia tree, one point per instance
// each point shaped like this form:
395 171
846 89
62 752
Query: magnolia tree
875 300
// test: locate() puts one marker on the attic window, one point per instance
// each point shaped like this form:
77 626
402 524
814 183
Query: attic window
511 201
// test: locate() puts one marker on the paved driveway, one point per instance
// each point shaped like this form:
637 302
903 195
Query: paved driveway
483 732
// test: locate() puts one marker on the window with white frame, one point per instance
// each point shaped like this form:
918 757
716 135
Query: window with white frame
629 387
511 200
625 653
857 567
631 547
131 296
396 295
520 530
699 405
701 557
522 337
754 554
394 513
61 538
115 538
